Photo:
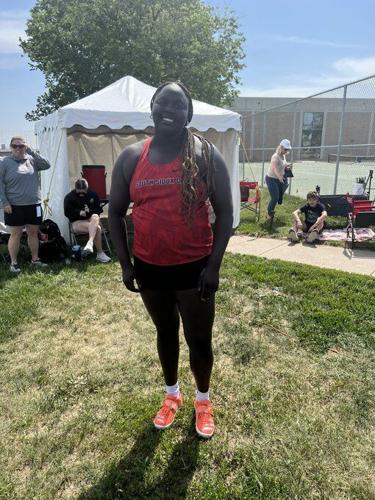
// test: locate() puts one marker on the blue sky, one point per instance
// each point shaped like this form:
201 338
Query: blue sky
293 48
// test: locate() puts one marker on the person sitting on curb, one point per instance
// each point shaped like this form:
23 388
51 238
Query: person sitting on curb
315 214
82 208
20 198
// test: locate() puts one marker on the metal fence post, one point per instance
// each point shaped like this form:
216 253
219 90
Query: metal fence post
293 144
242 140
252 131
263 144
340 139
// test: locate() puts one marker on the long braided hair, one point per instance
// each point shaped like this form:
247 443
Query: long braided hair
190 179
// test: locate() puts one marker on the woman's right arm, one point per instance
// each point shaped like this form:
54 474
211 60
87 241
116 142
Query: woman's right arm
119 201
3 198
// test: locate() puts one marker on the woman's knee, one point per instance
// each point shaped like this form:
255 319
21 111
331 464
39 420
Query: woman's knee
200 347
32 230
16 232
272 205
166 328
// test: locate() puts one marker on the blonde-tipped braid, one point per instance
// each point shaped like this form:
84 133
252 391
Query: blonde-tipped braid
190 174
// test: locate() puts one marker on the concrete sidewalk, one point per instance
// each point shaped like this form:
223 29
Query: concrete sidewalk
342 259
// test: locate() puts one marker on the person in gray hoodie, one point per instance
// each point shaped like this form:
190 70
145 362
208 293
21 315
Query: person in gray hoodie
20 198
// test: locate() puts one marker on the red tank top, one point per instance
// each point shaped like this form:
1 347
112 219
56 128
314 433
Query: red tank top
161 234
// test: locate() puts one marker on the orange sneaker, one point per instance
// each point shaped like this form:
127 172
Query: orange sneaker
166 415
204 418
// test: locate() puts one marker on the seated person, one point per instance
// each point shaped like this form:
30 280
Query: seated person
315 215
82 208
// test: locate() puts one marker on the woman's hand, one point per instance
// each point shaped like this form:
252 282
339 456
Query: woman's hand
8 209
128 278
208 282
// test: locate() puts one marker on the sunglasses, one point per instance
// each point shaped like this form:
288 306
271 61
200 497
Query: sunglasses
18 146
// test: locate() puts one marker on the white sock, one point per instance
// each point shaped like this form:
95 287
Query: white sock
202 396
173 390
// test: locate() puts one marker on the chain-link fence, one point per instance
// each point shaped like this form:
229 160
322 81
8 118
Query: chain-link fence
332 134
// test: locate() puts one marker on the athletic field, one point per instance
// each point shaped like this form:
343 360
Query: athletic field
310 173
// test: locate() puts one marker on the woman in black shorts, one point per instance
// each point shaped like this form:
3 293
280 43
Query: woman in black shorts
20 198
171 178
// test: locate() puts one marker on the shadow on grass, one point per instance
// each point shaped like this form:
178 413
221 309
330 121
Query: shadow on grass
126 479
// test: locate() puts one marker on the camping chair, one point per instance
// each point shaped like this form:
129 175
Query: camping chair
251 203
362 215
73 237
96 176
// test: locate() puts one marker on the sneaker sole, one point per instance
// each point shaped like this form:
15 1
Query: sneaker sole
201 434
162 427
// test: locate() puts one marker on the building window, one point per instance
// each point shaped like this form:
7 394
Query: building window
312 128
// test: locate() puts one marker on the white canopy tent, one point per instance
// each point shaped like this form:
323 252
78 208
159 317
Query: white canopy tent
95 129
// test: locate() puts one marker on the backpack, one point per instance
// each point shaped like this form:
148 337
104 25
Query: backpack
52 245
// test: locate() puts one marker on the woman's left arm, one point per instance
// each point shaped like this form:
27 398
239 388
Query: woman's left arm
39 162
221 201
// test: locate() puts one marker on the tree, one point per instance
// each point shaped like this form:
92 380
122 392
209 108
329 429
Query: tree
82 46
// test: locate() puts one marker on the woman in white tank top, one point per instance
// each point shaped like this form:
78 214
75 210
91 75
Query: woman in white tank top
275 178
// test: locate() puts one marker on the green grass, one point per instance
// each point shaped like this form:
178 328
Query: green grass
293 388
283 220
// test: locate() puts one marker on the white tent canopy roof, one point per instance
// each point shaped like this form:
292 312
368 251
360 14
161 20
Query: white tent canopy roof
127 103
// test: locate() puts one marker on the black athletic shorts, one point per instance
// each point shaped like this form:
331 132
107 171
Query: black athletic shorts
24 214
180 277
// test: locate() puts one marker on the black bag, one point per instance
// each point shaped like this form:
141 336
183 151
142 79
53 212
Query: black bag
288 172
52 245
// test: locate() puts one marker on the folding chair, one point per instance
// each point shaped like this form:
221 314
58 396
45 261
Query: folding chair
362 215
73 236
248 202
96 177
